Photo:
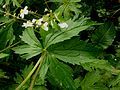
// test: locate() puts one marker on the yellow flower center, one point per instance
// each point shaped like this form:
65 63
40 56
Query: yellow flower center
37 21
21 11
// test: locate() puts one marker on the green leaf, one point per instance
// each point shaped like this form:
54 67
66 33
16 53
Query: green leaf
5 19
115 81
33 46
98 64
40 88
1 1
115 88
6 35
60 74
104 35
90 79
79 52
78 81
7 2
2 74
118 51
27 51
15 2
29 37
74 27
2 55
67 9
75 51
24 74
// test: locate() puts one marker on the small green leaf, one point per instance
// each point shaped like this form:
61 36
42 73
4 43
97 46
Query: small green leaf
7 2
2 55
20 78
1 1
39 88
6 35
90 79
104 35
115 81
4 19
98 64
115 88
2 73
15 2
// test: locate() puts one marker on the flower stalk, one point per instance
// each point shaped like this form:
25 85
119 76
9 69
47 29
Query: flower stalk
33 70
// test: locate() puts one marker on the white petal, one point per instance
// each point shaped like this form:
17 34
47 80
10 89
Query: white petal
41 19
28 24
22 15
46 23
45 10
34 20
63 25
26 7
25 12
46 28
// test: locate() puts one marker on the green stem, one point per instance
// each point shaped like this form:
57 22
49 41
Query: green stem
32 71
35 75
9 46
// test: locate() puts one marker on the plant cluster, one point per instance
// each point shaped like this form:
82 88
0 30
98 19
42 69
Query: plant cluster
59 45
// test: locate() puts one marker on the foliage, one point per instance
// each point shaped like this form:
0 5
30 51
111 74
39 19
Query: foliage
59 45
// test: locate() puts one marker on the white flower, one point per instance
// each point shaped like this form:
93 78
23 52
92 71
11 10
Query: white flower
39 21
45 10
4 6
34 20
23 12
28 24
45 26
63 25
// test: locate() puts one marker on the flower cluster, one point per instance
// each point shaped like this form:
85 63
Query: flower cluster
38 22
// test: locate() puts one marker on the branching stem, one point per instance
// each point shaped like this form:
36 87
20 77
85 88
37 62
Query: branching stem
35 75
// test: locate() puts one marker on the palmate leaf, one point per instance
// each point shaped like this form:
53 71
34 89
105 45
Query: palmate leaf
60 74
32 46
75 51
79 52
104 35
74 27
